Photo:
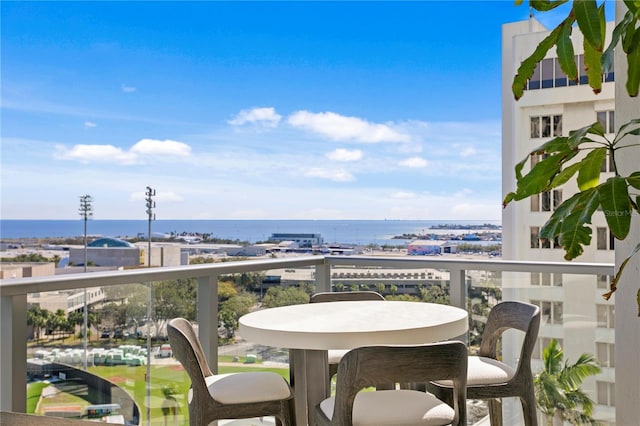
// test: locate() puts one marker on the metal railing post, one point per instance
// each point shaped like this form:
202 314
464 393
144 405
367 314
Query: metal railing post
13 353
208 318
323 277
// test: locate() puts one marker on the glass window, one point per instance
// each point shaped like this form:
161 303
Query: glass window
601 237
535 127
601 116
612 128
609 76
557 312
557 198
535 203
603 393
545 243
557 125
535 237
545 201
603 281
547 73
535 278
534 83
546 278
582 70
557 280
546 126
560 76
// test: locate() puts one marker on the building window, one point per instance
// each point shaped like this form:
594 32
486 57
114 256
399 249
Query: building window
606 354
535 237
545 126
604 281
546 201
551 311
606 118
606 316
546 279
604 239
606 393
548 74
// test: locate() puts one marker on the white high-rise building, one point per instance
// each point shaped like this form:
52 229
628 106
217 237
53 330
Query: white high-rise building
573 308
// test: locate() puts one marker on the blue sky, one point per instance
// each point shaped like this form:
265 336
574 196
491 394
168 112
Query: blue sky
243 110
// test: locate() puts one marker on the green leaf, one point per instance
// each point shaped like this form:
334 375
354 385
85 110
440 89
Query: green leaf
614 197
525 71
577 202
576 137
546 5
564 176
589 22
566 55
574 232
632 127
632 5
593 66
621 28
589 174
539 178
633 71
634 180
508 198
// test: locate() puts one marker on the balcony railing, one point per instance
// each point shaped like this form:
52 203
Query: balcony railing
569 294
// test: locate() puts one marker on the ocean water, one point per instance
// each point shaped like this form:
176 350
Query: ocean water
342 231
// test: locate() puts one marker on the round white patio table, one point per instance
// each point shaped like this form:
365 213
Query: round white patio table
309 330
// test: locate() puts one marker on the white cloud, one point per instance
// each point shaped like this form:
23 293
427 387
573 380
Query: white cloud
143 150
334 175
468 152
414 162
341 154
96 153
89 124
128 89
403 195
266 117
158 147
341 128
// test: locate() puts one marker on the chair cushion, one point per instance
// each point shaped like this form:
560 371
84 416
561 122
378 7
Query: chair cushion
236 388
395 407
484 371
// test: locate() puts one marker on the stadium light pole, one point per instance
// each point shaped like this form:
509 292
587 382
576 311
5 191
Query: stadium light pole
86 211
149 194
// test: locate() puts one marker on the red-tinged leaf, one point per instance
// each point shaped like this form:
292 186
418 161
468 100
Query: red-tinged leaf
614 283
614 198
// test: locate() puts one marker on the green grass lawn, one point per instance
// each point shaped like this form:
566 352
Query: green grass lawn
132 379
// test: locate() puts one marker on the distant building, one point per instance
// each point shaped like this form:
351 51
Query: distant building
424 247
303 240
116 252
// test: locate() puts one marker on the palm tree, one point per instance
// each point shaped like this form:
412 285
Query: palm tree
557 386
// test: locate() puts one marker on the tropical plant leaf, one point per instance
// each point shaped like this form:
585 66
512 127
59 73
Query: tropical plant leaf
634 180
574 232
539 178
588 18
614 198
614 283
633 71
621 28
576 137
545 5
593 67
564 176
525 71
632 127
552 228
566 54
590 166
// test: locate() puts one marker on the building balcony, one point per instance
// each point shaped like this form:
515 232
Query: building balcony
569 294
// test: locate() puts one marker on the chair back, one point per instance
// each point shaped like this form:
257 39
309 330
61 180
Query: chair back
511 315
345 296
370 365
187 349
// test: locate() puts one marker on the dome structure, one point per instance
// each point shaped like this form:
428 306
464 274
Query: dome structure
110 242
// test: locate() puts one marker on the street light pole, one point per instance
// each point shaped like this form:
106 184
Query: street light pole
86 211
150 193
